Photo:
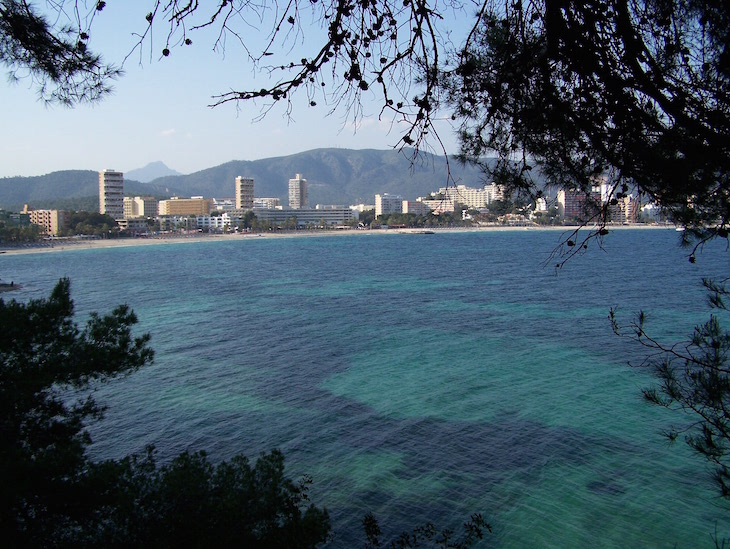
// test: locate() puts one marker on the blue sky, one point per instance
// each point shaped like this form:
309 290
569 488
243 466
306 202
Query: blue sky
159 111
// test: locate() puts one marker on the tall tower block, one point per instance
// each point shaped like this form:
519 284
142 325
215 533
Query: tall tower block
111 193
244 193
298 192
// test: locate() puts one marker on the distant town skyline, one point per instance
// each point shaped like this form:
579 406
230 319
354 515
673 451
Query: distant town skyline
159 112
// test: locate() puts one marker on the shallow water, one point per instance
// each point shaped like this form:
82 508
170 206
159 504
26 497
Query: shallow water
421 377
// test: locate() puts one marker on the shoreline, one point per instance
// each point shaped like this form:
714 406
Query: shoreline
9 287
69 245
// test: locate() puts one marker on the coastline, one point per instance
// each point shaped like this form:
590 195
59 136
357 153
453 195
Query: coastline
67 245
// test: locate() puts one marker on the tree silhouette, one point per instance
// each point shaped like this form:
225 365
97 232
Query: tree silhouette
53 495
633 91
56 57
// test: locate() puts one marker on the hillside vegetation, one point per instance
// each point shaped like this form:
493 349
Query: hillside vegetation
334 176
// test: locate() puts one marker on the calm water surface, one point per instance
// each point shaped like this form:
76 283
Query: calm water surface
421 377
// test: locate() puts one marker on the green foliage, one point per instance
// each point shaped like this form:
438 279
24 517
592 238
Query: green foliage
636 92
56 57
694 377
11 233
66 190
90 223
335 176
427 535
191 503
402 220
367 217
51 494
74 204
44 356
249 218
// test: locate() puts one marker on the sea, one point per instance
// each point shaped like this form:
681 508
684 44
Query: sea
420 377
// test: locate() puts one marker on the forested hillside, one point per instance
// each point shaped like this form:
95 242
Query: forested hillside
334 176
68 189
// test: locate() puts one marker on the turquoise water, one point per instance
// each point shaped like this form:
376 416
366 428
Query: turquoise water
421 377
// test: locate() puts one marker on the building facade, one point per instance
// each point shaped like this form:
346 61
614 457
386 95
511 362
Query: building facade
626 210
468 196
439 205
415 207
297 192
52 221
224 204
387 204
135 225
266 203
140 206
244 193
145 206
111 193
196 205
578 206
319 216
129 207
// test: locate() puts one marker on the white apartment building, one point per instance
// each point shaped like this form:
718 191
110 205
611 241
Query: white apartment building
388 204
266 203
473 198
320 215
224 204
360 208
297 192
439 205
244 193
415 207
215 222
111 193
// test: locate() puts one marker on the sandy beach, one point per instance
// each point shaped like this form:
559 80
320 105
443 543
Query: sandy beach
60 245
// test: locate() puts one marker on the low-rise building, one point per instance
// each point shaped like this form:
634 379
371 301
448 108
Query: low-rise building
470 197
52 221
320 215
439 205
134 225
415 207
266 203
196 205
224 204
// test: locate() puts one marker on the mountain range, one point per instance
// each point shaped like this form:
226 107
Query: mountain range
334 176
150 172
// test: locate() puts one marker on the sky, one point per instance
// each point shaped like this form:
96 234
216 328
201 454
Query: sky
159 112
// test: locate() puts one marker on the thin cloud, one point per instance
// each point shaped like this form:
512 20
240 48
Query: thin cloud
167 133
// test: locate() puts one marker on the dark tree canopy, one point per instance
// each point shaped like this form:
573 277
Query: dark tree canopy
53 495
633 91
636 91
694 377
55 56
44 356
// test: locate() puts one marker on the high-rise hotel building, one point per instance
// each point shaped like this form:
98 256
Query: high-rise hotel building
111 193
297 193
244 193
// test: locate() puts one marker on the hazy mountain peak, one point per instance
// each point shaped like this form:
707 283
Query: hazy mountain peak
150 172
